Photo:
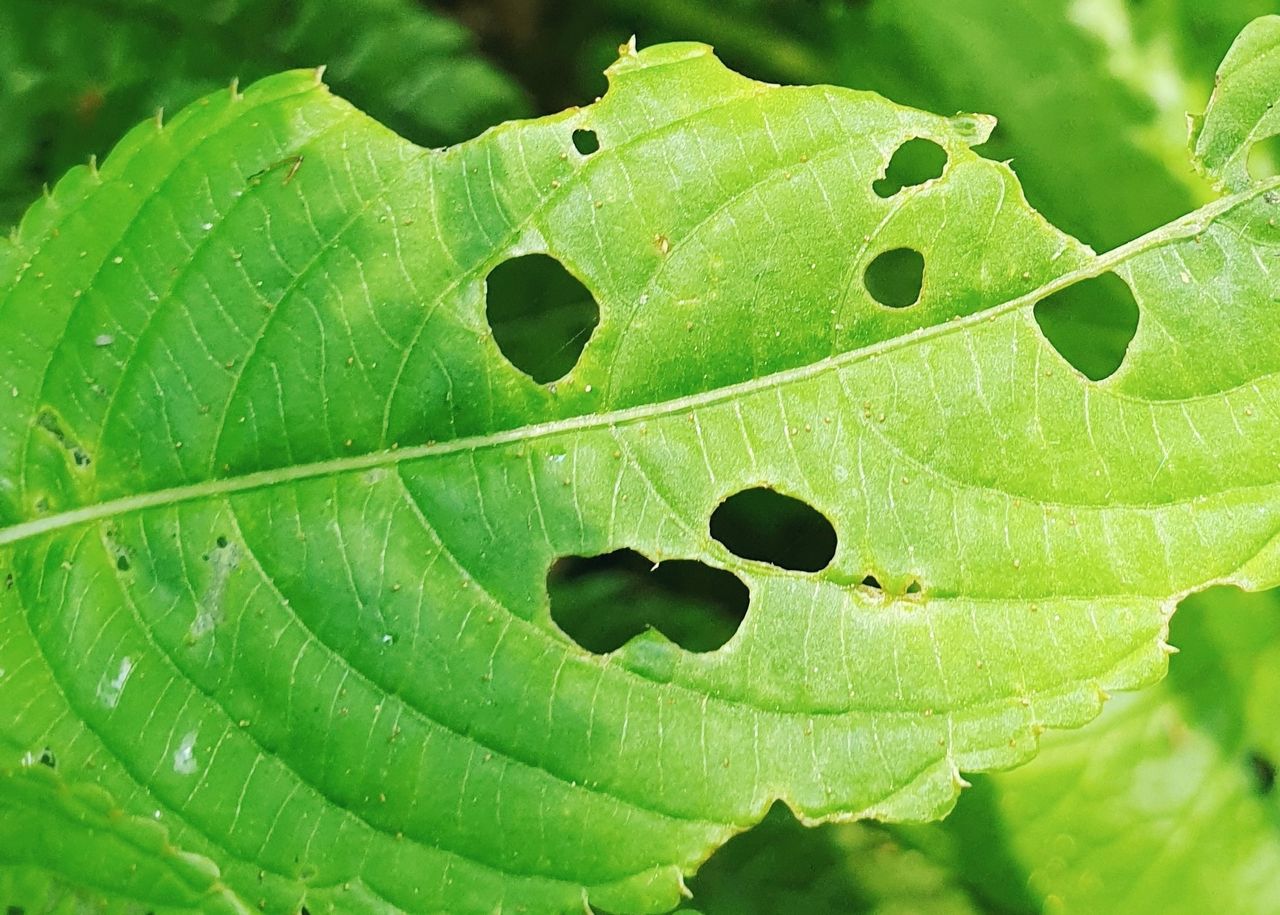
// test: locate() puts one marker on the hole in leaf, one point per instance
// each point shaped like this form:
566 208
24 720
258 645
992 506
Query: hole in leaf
767 526
895 277
872 582
1264 158
914 587
48 759
1090 323
540 314
122 563
586 141
602 602
221 542
914 162
1263 771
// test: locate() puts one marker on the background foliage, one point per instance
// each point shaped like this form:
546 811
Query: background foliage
1168 802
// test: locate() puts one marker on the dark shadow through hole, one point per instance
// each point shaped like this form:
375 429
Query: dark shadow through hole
1090 323
586 141
895 277
1264 158
602 602
781 865
914 162
1263 771
767 526
872 582
540 314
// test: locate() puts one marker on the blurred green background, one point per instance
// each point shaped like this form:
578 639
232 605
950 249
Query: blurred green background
1167 803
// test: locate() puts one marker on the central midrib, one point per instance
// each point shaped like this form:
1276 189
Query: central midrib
1190 225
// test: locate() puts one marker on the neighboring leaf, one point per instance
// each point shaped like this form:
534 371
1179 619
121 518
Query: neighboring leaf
74 76
79 835
278 515
837 869
1167 803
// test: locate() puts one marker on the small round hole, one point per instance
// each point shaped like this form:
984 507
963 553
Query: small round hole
1264 158
122 563
586 141
895 277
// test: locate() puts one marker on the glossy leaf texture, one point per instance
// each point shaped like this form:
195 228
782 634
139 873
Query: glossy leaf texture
74 76
278 514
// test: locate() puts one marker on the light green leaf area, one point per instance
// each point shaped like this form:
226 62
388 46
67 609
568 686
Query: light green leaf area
74 76
276 515
1092 98
1167 803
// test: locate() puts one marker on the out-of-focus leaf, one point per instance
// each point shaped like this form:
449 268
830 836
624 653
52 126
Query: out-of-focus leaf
836 869
74 75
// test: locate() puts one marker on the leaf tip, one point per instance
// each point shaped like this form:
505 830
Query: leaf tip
973 128
631 60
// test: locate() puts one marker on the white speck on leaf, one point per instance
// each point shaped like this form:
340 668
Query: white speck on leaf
109 690
184 758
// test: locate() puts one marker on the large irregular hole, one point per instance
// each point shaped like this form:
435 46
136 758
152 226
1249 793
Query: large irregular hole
540 314
895 277
1264 158
586 141
767 526
914 162
602 602
1090 323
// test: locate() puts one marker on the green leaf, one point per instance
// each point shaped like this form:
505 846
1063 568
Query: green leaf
1166 803
837 869
276 514
74 75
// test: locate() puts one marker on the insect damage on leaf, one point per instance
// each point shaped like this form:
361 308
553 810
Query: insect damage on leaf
331 667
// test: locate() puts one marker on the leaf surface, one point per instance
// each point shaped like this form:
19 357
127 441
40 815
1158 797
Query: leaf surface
276 515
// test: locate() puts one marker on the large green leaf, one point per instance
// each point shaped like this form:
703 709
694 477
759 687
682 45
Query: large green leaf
277 514
75 75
